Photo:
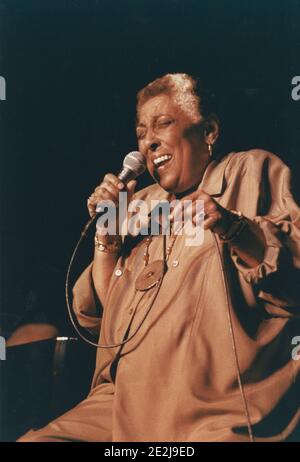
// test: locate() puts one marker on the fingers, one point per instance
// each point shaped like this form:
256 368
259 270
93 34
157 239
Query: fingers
91 207
210 222
105 190
202 209
110 178
109 190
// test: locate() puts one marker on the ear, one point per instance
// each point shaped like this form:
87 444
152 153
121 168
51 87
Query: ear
211 129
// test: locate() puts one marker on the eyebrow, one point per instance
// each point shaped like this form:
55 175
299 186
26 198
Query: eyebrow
140 124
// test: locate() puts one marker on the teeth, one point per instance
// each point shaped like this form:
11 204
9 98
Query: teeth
161 159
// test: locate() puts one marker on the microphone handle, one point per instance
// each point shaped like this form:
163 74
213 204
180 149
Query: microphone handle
125 175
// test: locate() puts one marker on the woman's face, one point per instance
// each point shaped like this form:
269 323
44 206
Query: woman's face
173 146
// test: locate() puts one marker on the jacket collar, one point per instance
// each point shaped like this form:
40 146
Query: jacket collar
213 181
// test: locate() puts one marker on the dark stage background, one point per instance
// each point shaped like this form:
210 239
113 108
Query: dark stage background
72 70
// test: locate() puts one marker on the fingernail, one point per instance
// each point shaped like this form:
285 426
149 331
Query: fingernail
120 185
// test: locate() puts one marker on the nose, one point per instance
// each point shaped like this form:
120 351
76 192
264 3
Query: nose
153 146
151 142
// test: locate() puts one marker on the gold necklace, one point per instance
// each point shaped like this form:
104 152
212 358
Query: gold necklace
153 272
169 248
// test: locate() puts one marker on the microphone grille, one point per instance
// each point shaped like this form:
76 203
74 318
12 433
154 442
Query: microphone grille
135 161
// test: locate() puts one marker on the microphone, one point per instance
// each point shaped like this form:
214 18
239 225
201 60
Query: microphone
134 164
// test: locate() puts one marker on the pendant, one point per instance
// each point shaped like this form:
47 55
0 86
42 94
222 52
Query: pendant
150 275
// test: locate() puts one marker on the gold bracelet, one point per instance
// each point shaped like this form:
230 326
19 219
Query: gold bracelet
114 247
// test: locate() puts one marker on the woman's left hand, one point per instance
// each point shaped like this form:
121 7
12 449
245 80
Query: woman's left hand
216 217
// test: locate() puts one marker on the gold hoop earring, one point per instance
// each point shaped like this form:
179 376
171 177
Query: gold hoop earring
210 149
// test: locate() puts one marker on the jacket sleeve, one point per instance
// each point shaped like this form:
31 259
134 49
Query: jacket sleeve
276 280
86 304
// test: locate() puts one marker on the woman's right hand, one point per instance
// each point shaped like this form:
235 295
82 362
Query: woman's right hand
109 190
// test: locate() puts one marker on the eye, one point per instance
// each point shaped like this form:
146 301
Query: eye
165 122
140 133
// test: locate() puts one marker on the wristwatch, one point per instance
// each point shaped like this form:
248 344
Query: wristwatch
238 223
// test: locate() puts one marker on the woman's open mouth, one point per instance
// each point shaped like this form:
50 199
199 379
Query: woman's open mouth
162 162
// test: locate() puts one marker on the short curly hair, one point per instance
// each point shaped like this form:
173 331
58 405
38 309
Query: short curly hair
182 87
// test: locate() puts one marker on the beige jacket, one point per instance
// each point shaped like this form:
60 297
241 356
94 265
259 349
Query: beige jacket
177 378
